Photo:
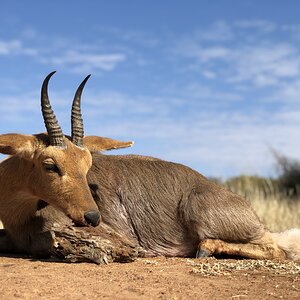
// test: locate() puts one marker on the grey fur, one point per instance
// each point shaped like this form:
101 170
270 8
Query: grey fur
166 207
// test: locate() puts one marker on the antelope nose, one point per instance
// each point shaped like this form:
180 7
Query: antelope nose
92 217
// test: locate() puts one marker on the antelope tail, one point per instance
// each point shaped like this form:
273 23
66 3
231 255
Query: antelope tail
289 242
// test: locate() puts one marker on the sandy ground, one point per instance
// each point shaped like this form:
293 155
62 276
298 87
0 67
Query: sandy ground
155 278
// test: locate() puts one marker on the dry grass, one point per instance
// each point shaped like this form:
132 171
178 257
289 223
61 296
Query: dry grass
277 212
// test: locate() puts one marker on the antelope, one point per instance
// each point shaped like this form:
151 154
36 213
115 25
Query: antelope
50 167
166 208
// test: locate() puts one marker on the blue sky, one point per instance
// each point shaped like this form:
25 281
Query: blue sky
213 85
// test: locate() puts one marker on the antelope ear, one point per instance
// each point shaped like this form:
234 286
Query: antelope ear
13 143
97 143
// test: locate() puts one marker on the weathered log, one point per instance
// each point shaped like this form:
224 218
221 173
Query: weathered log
51 233
100 245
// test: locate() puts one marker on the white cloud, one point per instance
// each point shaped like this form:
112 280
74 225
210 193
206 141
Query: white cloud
216 143
8 47
218 31
265 64
86 61
63 52
287 93
246 58
212 126
195 90
194 49
209 74
113 103
15 47
133 36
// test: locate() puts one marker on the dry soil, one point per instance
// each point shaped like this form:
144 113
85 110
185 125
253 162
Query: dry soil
155 278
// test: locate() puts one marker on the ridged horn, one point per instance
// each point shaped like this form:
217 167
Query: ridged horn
76 116
55 133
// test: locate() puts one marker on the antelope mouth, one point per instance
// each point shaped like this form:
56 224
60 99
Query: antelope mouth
77 222
82 224
91 219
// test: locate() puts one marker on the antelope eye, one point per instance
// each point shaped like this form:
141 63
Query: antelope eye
51 167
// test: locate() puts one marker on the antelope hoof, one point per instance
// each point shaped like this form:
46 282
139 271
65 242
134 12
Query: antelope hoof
201 253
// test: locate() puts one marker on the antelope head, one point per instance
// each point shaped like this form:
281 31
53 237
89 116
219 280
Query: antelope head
53 167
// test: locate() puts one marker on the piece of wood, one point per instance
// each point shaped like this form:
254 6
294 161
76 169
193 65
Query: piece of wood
100 245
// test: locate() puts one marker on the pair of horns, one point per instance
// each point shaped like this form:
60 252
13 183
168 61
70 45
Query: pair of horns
55 133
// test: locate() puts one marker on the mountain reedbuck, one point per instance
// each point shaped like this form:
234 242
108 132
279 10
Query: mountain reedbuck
166 208
51 167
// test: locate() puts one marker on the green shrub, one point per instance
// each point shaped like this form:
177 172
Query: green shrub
289 175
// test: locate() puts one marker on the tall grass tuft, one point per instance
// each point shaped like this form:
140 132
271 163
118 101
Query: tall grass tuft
276 210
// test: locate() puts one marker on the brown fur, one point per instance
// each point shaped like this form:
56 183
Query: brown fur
24 180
